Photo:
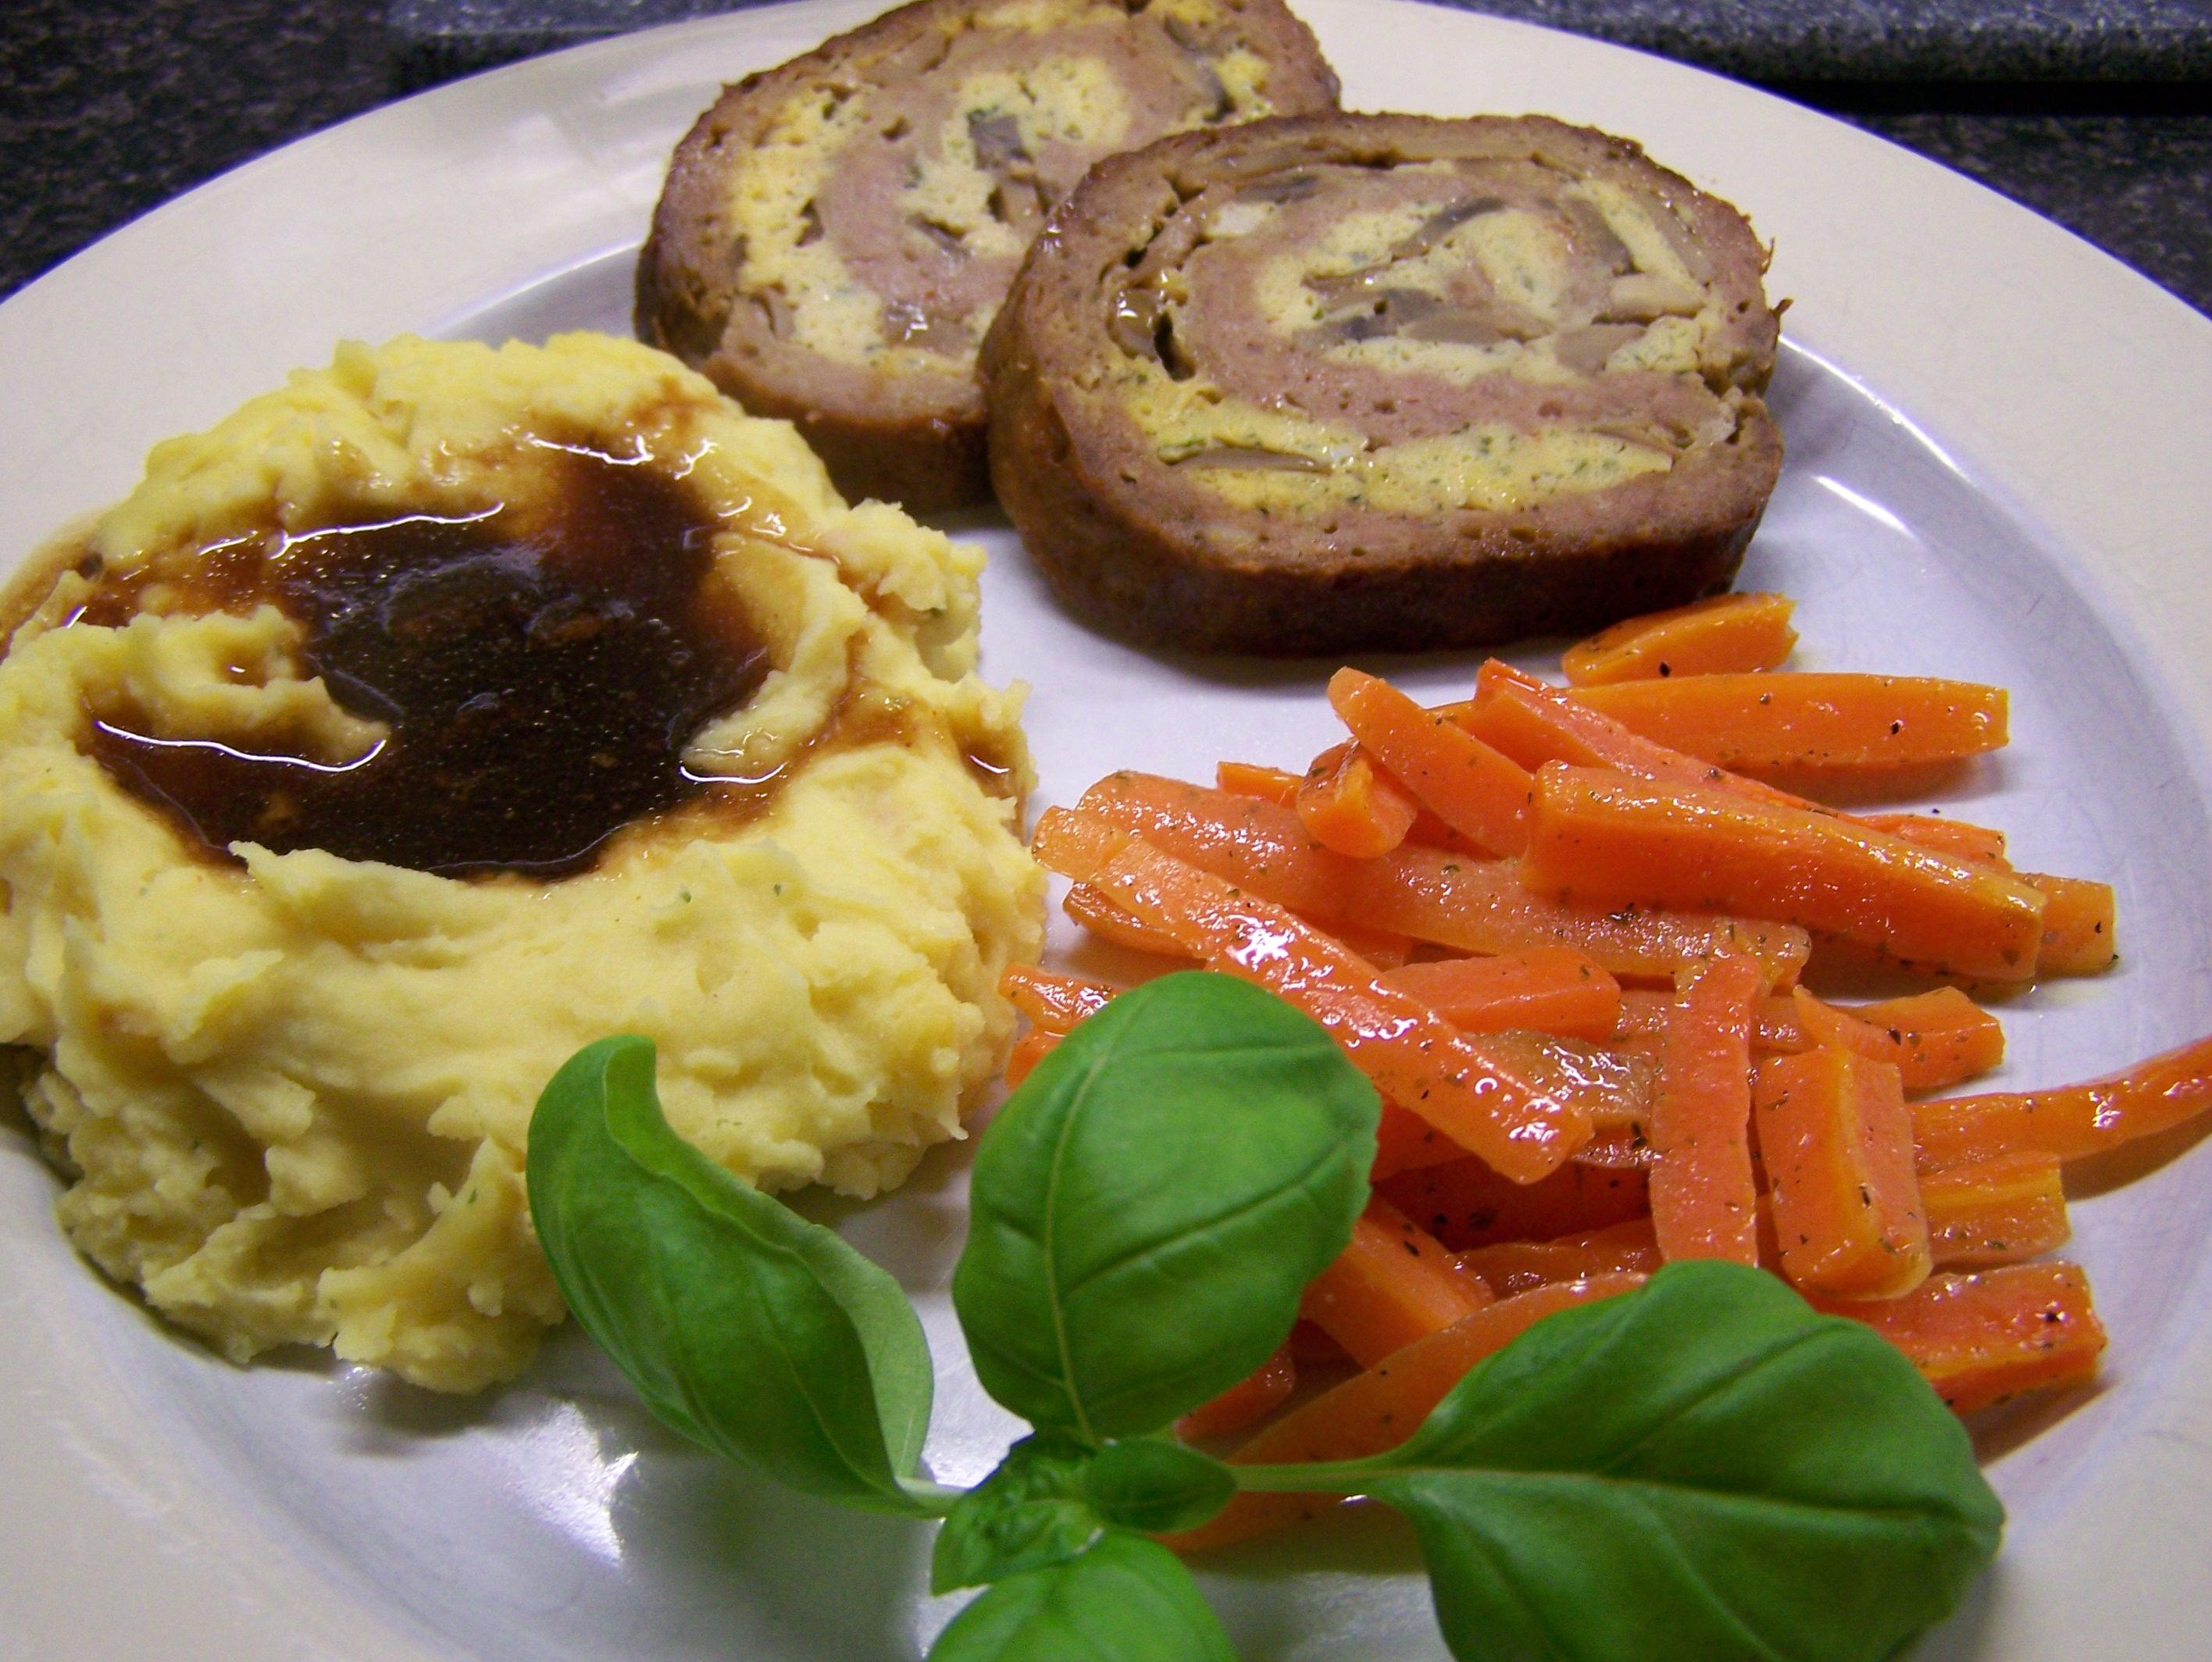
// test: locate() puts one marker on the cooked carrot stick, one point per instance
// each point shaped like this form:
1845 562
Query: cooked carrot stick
1347 803
1404 1142
2071 1122
1980 1338
1994 1212
1245 778
1465 1205
1600 836
1107 921
1480 793
1385 948
1246 1403
2077 926
1054 1002
1535 723
1934 1039
1968 842
1550 989
1473 904
1494 1097
1824 1026
1028 1049
1720 635
1838 1147
1797 720
1381 1408
1942 1036
1704 1199
1513 1267
1392 1285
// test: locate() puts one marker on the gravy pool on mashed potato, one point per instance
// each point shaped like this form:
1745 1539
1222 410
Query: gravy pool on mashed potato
291 976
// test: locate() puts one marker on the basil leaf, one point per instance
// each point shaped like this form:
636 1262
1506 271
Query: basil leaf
1027 1515
1128 1598
1702 1470
1147 1208
748 1329
1156 1486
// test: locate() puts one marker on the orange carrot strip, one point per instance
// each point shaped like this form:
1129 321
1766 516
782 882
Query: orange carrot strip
1348 804
1245 778
1404 1142
1473 904
1465 1205
1535 723
1103 919
2077 926
1381 1408
2071 1122
1054 1002
1550 989
1942 1036
1246 1403
1028 1049
1798 720
1723 634
1999 1210
1498 1099
1600 836
1838 1147
1480 793
1385 948
1392 1285
1980 1338
1704 1199
1968 842
1514 1267
1934 1039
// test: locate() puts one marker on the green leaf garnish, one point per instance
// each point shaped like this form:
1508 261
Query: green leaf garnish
1150 1204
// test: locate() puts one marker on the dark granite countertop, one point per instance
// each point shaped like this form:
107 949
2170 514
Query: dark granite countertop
2097 112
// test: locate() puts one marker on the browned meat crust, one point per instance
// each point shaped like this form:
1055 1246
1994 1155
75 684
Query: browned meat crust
901 431
1138 545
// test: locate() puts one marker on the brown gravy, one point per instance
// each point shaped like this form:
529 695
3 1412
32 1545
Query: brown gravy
540 673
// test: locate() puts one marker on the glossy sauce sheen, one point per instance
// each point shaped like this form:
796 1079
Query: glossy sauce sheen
540 680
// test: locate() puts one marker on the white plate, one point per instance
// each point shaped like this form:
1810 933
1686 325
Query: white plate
1997 469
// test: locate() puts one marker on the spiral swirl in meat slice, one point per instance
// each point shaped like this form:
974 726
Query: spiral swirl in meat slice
838 235
1506 368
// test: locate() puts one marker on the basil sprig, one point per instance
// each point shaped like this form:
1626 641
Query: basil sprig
1702 1470
743 1325
1153 1200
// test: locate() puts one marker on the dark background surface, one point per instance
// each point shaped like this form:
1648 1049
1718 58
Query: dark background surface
2097 112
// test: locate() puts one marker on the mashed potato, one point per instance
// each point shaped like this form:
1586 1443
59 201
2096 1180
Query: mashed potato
292 1089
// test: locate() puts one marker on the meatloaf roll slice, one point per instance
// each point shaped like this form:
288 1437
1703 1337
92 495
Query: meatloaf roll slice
1384 382
835 235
